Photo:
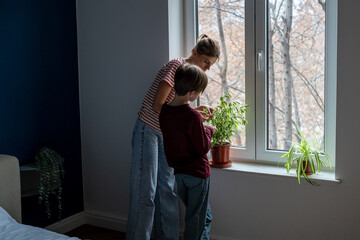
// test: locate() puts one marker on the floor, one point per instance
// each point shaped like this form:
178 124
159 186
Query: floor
95 233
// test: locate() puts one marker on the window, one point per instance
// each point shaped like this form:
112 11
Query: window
278 56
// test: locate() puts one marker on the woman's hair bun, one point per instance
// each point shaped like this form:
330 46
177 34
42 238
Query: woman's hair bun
207 46
202 36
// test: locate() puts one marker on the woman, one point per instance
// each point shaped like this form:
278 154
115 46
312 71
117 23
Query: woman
152 196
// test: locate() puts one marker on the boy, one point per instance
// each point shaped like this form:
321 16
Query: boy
186 143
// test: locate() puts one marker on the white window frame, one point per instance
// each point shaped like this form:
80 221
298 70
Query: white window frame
330 87
255 85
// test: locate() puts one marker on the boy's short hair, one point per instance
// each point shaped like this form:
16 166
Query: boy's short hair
189 77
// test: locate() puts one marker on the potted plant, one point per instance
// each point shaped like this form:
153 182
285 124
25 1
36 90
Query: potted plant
227 118
50 167
305 155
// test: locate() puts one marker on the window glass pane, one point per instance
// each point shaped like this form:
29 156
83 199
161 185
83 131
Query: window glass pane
296 71
225 21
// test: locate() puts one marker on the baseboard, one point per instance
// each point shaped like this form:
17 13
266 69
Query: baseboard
94 219
114 223
68 224
109 222
99 220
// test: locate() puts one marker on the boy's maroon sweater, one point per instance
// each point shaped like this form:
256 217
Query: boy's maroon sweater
186 140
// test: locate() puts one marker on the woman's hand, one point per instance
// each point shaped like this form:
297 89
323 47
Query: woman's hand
206 112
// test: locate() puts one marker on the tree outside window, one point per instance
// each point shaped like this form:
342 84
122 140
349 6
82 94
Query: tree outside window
295 64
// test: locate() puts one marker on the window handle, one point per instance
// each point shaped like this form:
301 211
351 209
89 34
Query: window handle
259 57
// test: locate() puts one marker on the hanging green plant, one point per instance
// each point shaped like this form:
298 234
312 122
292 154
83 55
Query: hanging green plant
50 167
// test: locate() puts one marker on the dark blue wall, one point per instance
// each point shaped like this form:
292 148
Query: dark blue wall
39 92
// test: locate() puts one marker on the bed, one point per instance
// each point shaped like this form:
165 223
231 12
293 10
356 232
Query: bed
10 206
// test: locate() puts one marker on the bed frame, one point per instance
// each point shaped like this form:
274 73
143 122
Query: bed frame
10 188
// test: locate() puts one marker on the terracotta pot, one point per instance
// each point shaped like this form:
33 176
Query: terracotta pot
307 170
220 156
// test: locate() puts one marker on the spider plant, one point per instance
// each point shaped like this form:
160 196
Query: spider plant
304 153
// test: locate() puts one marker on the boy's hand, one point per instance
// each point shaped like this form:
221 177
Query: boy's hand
207 113
204 115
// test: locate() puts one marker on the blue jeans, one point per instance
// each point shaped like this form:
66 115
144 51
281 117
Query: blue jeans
152 196
194 192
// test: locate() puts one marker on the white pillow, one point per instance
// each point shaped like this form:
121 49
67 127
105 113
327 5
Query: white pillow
5 218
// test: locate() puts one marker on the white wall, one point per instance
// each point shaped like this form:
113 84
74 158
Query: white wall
122 44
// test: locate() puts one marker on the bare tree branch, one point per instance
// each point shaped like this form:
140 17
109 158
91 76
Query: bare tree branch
311 88
223 10
322 3
224 66
229 86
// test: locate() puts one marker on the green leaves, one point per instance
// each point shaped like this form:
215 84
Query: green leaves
304 153
228 116
50 167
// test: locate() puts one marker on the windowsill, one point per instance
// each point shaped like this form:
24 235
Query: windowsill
275 170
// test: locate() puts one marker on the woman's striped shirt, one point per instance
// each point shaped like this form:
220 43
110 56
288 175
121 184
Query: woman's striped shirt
166 73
